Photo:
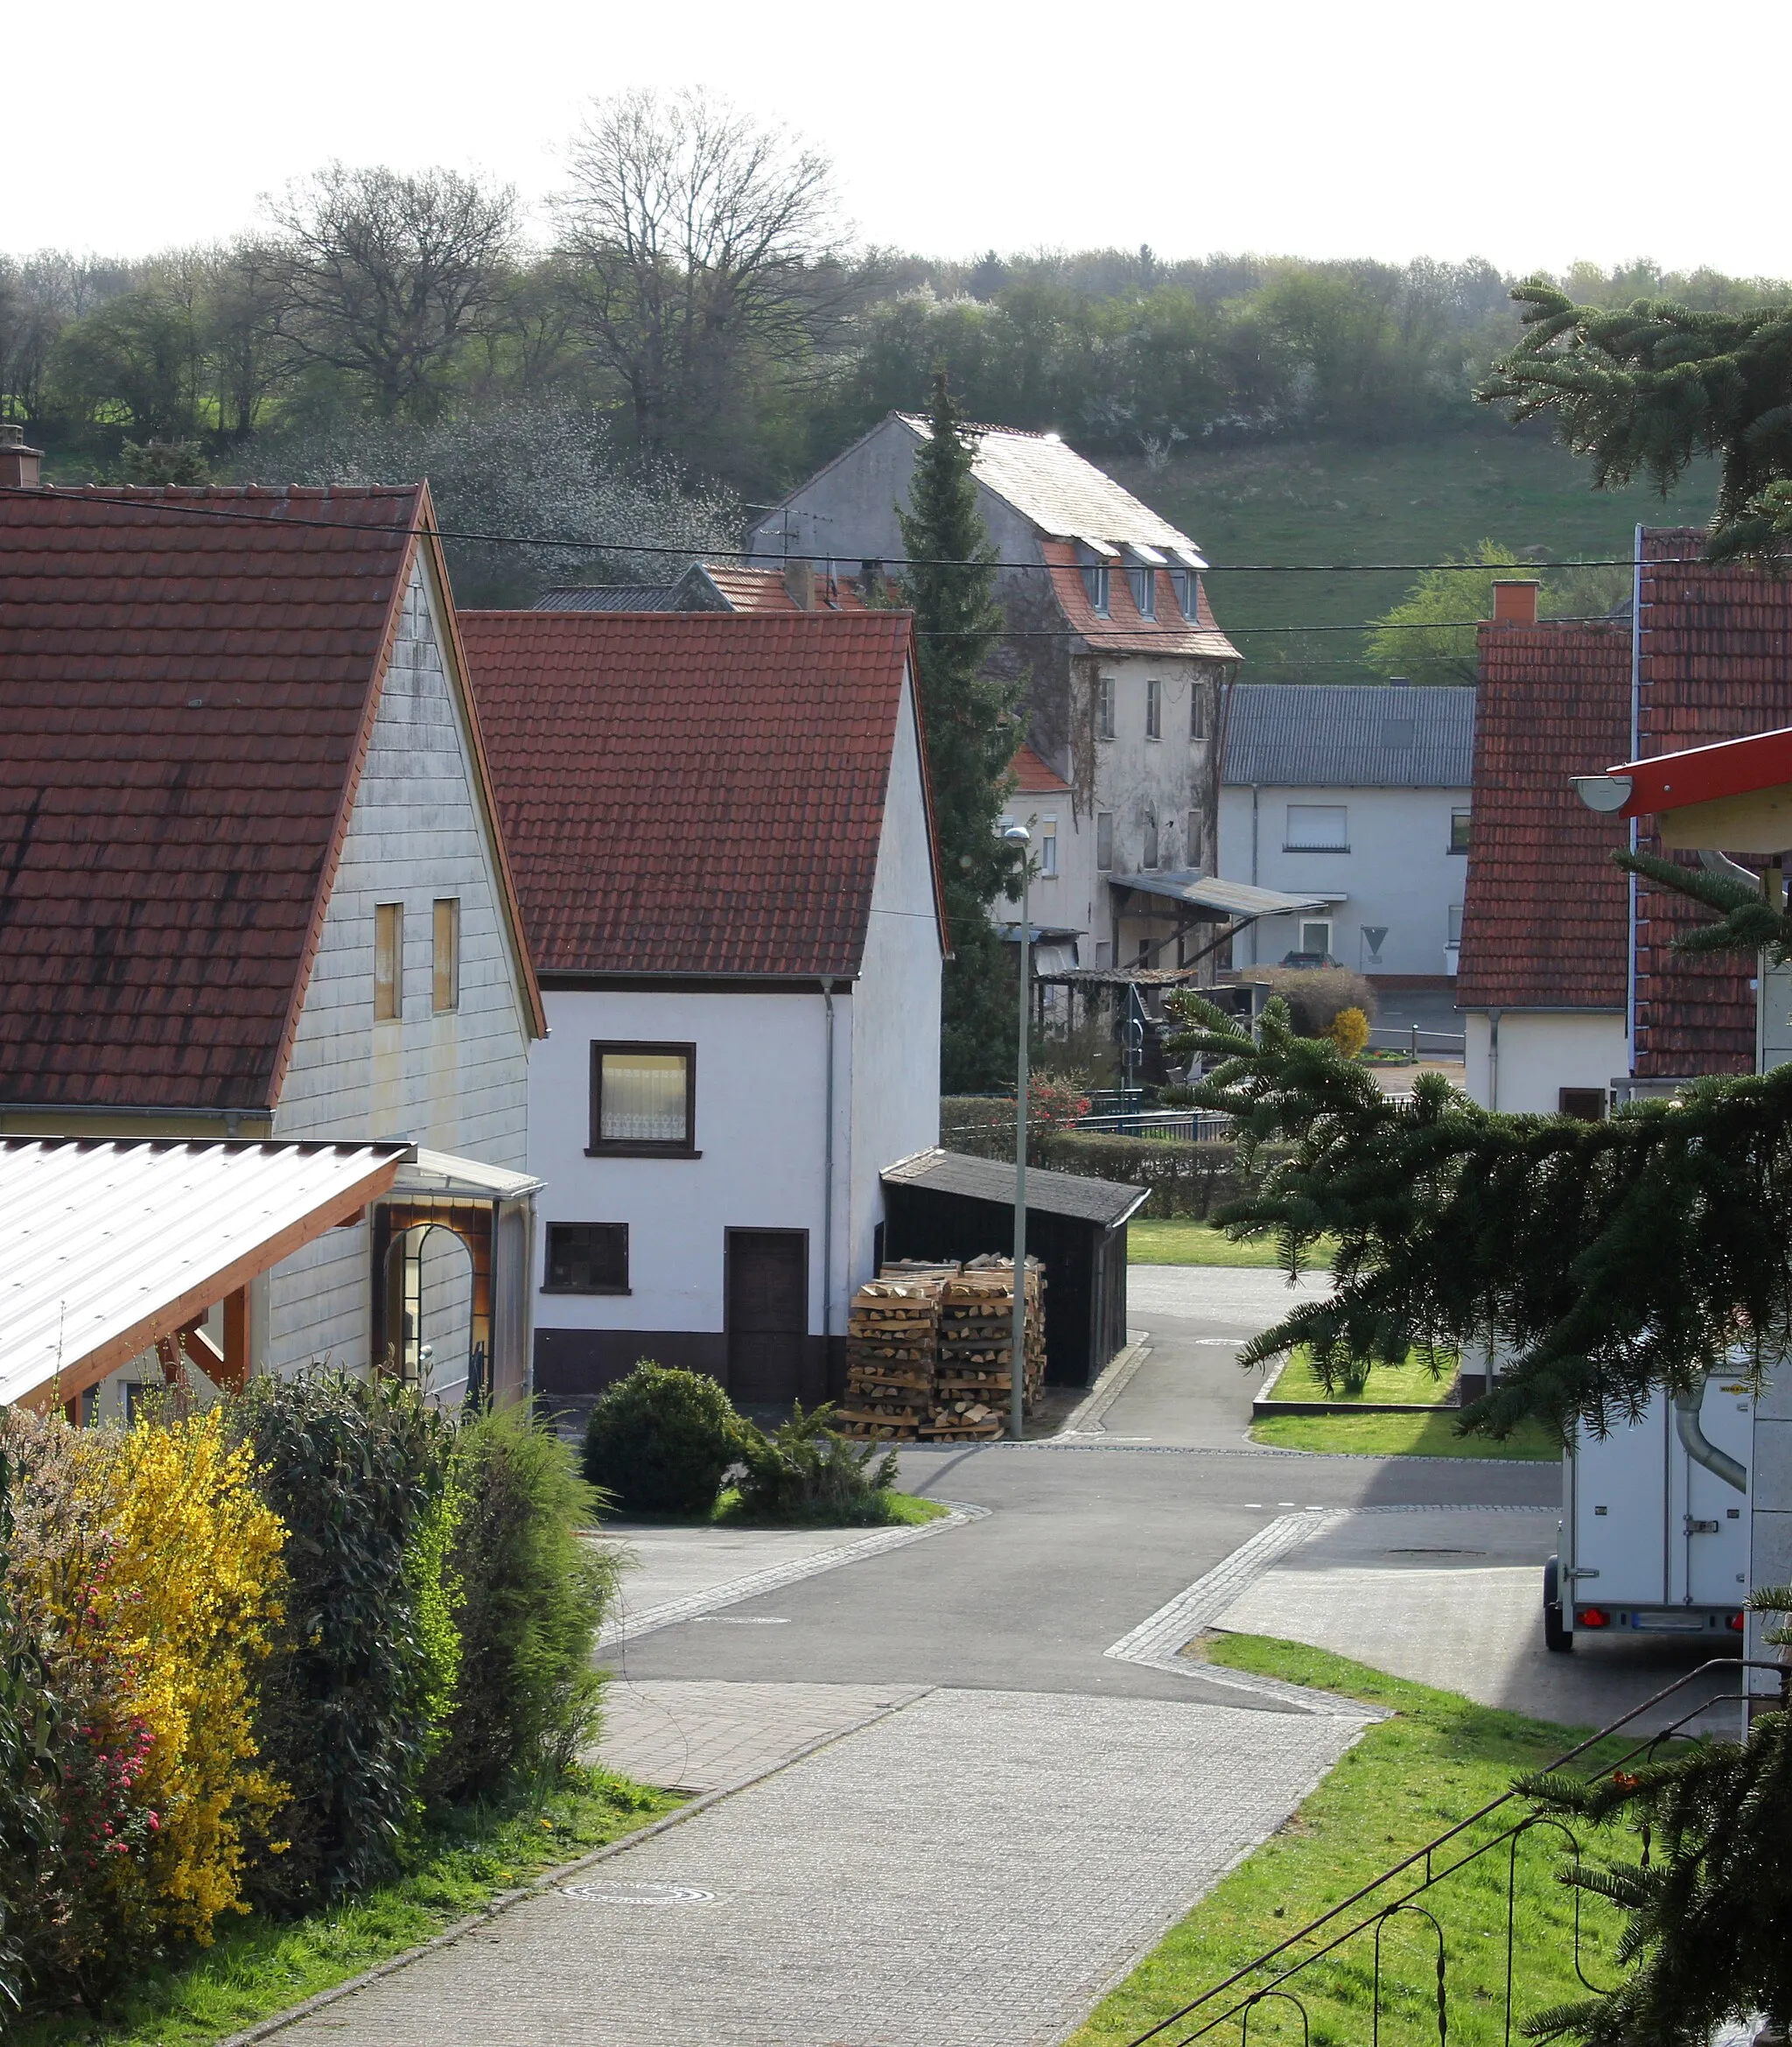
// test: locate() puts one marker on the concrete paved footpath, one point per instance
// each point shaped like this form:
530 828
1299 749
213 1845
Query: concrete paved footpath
974 1868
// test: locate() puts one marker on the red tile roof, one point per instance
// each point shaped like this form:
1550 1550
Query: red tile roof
186 696
765 589
698 793
1714 663
1123 628
1033 778
1544 917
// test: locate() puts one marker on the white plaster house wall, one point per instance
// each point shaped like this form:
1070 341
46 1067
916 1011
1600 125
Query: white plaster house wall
1541 1052
1399 875
1143 783
760 1129
895 1071
456 1082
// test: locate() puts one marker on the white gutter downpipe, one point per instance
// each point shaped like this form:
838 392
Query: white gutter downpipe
1494 1016
1699 1446
827 1187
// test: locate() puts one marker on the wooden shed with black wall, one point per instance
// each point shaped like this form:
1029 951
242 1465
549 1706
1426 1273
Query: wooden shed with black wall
944 1205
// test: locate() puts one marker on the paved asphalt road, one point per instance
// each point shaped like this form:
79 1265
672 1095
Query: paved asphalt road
950 1815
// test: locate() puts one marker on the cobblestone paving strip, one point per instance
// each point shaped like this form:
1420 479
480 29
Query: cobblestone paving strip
972 1871
706 1735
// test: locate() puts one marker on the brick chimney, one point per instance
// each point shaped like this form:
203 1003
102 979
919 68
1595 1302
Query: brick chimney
21 468
1515 603
799 581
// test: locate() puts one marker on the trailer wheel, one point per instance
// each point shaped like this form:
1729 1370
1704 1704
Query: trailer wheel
1557 1637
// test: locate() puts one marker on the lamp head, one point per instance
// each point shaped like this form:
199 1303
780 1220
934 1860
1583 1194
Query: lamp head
1016 835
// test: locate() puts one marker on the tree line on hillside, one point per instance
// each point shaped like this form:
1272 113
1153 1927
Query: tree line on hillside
698 325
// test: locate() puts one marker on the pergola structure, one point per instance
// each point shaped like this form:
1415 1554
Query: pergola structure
110 1247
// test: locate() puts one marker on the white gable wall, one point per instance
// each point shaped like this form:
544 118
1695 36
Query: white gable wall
455 1082
895 1008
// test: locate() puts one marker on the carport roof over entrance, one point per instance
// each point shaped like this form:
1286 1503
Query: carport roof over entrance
107 1244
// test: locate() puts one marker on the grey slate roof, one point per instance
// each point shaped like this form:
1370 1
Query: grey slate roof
1104 1202
608 597
1351 735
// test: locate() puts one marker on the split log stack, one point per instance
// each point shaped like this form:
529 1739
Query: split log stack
972 1385
893 1337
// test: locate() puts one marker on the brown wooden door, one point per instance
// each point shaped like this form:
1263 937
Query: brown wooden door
767 1313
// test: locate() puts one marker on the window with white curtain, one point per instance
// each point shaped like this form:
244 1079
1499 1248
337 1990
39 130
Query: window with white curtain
642 1097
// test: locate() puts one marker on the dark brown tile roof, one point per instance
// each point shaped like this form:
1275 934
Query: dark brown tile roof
697 793
1714 663
1545 916
186 696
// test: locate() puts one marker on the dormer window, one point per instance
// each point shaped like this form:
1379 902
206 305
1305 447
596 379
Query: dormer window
1143 585
1092 560
1182 581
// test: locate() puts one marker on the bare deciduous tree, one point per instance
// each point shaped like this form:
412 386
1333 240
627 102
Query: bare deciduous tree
697 242
385 275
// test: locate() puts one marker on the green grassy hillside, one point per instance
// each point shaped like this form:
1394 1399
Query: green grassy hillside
1421 500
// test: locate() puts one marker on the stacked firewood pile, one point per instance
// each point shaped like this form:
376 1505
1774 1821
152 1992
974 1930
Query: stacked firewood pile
927 1351
893 1337
972 1383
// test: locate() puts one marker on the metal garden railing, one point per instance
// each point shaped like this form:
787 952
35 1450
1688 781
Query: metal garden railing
1243 1991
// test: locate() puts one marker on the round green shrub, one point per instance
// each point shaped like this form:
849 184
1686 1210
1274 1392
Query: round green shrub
659 1440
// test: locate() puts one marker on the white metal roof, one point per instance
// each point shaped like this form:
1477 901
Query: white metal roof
106 1244
1049 482
1233 898
445 1176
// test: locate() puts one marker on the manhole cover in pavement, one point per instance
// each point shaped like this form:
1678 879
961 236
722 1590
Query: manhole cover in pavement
639 1894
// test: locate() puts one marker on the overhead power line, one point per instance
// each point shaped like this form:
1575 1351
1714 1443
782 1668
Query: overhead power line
110 495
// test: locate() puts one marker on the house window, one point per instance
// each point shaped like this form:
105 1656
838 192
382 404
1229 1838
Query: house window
1144 956
1316 939
1194 839
1197 713
1183 583
1046 840
1458 831
1154 711
643 1098
1104 840
446 981
1318 828
388 962
1104 952
1105 708
1150 841
1143 584
1094 584
1455 925
587 1258
1585 1104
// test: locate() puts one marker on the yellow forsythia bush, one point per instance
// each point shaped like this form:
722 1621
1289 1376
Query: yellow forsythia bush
1349 1030
183 1600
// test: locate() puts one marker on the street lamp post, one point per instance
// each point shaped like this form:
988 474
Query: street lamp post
1018 836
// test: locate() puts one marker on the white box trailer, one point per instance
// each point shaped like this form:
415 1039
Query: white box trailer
1655 1529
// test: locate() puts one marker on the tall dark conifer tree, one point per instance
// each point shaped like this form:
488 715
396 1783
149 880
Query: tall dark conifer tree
972 729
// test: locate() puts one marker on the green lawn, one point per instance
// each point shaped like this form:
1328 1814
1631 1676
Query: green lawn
1179 1242
1438 1759
258 1967
1410 1381
901 1510
1408 502
1401 1435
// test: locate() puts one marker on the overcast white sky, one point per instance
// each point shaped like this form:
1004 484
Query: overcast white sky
1530 137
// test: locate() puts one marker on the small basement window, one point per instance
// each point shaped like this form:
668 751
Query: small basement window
1585 1104
587 1258
643 1099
